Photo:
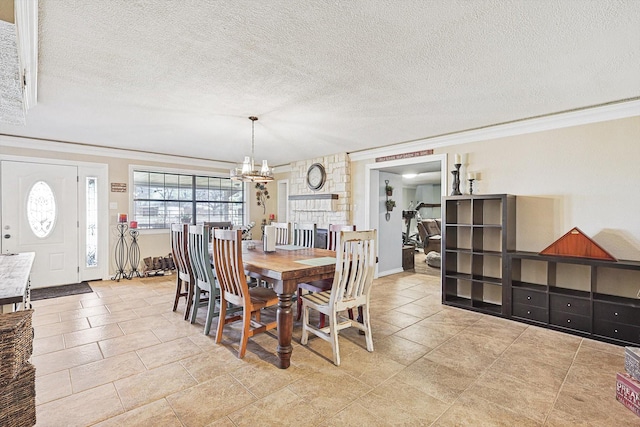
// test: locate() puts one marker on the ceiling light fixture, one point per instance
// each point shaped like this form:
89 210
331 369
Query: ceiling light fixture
248 172
409 175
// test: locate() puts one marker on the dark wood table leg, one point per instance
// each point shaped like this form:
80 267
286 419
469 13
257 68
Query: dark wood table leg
285 329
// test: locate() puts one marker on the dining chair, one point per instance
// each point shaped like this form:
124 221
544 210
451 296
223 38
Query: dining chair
304 234
203 274
185 283
283 233
227 262
351 288
333 237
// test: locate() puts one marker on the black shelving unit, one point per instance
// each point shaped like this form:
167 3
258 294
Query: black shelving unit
587 297
478 232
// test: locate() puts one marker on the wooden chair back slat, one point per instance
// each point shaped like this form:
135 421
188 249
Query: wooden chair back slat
283 233
304 235
333 234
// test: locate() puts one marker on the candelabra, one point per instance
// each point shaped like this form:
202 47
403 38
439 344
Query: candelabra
121 253
456 180
134 254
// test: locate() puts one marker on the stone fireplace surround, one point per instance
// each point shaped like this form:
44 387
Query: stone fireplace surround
331 204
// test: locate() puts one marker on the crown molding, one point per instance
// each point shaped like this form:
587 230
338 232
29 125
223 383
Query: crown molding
585 116
90 150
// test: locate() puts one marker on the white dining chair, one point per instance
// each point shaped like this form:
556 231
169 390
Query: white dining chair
351 288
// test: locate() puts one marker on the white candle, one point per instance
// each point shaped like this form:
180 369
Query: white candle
457 159
471 175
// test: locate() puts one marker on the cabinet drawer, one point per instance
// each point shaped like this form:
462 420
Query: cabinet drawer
617 313
539 314
570 320
618 331
569 304
529 297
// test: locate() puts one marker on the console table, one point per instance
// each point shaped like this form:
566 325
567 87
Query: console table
14 281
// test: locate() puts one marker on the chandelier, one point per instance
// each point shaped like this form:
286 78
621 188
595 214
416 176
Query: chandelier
248 172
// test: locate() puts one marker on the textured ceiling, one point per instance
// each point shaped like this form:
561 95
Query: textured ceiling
181 77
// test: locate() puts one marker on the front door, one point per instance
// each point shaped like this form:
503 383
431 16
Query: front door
40 214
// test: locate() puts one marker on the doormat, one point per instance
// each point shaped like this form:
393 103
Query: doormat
60 291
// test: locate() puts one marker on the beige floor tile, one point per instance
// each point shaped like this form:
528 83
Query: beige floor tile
370 368
354 415
51 329
45 319
105 319
128 304
541 374
127 343
165 353
603 410
157 309
281 408
521 396
329 390
83 312
223 395
48 344
158 413
80 409
400 350
473 411
207 365
65 359
54 306
148 386
264 377
144 323
429 335
396 403
99 333
105 371
436 380
420 311
473 352
95 302
53 386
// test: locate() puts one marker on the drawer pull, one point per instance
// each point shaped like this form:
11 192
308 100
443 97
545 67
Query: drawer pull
528 297
528 311
615 314
568 304
615 330
568 320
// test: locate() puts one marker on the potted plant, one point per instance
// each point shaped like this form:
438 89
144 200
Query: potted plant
389 190
390 204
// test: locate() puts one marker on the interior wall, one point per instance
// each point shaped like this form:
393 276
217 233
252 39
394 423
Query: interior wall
582 176
152 243
389 232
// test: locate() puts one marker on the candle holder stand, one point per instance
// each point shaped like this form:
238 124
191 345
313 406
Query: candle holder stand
456 180
471 186
121 253
134 254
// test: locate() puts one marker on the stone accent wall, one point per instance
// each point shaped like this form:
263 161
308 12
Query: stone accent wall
322 212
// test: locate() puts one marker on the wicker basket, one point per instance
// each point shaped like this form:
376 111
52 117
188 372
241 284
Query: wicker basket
18 399
16 343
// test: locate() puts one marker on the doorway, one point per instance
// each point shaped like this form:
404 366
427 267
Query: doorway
40 214
57 209
431 168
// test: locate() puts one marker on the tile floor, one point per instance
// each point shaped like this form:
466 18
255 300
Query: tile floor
121 357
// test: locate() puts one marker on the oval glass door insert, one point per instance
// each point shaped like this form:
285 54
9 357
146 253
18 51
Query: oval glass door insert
41 209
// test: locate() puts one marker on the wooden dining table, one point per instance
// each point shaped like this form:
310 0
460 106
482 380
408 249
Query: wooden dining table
284 268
